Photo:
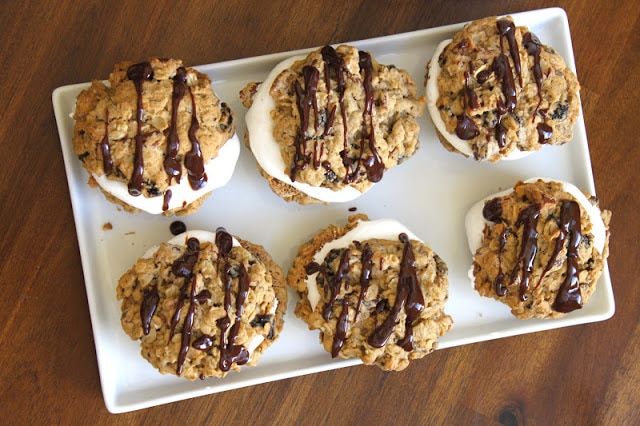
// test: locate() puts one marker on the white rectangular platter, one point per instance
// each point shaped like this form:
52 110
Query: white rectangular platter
430 194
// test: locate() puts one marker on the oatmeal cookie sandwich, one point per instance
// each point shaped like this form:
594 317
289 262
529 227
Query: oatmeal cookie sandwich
203 304
495 92
155 137
325 127
374 290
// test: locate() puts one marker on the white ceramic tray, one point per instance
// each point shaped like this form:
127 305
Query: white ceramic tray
430 193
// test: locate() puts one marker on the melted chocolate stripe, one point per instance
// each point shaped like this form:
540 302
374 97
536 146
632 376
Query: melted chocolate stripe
498 284
305 100
187 327
107 161
533 47
341 329
569 297
148 308
333 61
138 73
528 218
507 29
184 267
466 128
502 68
193 160
172 166
166 199
335 284
409 298
230 352
373 164
366 260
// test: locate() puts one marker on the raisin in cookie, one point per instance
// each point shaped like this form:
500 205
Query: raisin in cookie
324 128
203 303
155 137
496 92
539 247
374 290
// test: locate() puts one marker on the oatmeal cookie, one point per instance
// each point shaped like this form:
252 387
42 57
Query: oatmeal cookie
203 304
374 290
496 92
539 247
327 126
155 137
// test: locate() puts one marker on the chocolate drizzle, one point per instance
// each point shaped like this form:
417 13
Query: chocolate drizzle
498 284
466 128
171 164
230 351
568 297
138 73
166 199
148 308
183 267
366 259
372 164
528 219
533 47
107 161
187 326
502 68
306 101
507 29
409 298
193 160
544 133
334 61
341 329
492 210
341 275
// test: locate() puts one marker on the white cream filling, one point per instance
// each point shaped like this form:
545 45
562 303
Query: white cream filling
267 151
219 171
387 229
433 93
210 237
475 221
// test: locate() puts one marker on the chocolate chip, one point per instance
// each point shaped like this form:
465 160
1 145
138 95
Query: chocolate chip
260 320
560 112
177 227
330 176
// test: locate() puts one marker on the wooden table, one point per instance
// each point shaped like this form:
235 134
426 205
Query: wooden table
587 374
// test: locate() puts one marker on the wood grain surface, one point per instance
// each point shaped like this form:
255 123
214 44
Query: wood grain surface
587 374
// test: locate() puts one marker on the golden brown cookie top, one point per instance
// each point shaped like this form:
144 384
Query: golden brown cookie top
500 90
377 299
340 119
152 125
203 304
543 249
